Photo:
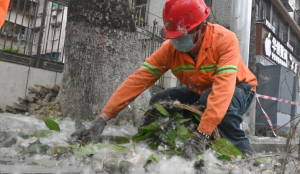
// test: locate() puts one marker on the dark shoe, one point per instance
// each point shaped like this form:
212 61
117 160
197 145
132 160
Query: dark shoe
249 152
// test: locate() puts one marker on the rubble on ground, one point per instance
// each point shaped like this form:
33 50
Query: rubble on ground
40 101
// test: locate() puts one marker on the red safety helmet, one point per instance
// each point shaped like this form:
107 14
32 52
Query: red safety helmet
181 16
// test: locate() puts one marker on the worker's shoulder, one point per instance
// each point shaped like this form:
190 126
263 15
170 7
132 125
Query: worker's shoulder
167 46
167 43
222 32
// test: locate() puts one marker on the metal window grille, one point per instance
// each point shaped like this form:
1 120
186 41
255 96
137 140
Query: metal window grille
280 24
56 34
295 43
140 15
34 38
256 10
265 10
297 17
21 32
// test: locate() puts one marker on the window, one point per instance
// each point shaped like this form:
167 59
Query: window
23 6
265 9
140 15
56 33
295 42
34 38
50 56
15 31
141 2
256 10
280 24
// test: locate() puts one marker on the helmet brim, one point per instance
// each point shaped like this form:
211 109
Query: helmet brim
172 34
167 34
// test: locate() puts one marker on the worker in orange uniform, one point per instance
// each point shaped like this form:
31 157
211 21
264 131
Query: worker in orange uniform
203 56
3 10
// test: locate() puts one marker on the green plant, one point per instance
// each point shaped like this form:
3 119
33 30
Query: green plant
13 49
52 125
92 118
283 134
169 129
1 110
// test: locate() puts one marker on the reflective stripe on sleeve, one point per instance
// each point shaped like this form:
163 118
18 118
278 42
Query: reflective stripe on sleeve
207 68
185 68
227 68
150 68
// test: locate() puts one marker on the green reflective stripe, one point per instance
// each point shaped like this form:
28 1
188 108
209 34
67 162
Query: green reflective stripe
185 68
154 71
207 68
227 68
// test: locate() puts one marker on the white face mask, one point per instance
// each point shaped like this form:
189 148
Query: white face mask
185 43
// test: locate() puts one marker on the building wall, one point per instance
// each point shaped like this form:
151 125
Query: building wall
49 45
15 80
262 33
34 23
156 7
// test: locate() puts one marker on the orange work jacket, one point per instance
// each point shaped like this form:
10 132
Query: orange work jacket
3 10
219 66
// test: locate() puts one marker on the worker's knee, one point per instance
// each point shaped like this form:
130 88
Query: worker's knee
203 98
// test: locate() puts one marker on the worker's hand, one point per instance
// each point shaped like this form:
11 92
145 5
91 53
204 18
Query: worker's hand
92 133
195 144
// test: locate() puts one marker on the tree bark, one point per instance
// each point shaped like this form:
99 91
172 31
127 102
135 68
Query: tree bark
102 50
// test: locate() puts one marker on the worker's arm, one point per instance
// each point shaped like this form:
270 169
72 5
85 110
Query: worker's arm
132 87
3 10
152 69
224 84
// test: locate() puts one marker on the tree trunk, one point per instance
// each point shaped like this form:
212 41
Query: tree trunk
102 50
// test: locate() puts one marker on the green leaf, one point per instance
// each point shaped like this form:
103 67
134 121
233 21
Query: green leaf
171 134
133 144
94 149
261 160
184 120
47 163
224 158
151 127
122 140
172 152
26 136
177 115
54 117
162 110
78 124
200 153
52 125
40 133
197 117
183 133
142 137
170 137
153 158
152 145
199 164
224 147
36 147
59 150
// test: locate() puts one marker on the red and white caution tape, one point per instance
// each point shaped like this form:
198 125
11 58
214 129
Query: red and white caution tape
267 117
277 99
274 99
